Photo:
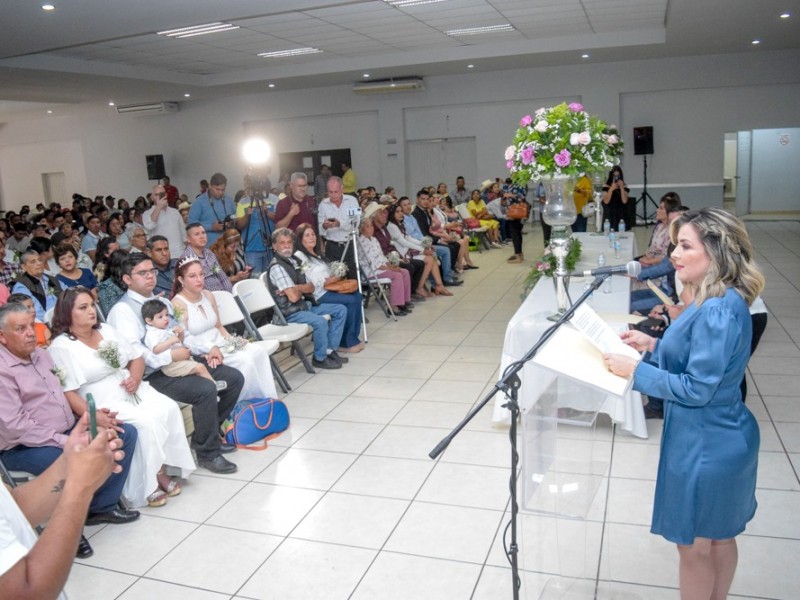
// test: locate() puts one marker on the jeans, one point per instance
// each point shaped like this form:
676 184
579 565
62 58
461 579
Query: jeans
352 323
37 460
643 301
443 253
580 224
326 336
207 413
258 260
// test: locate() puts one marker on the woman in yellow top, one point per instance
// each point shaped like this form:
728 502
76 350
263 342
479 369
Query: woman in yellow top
581 194
477 208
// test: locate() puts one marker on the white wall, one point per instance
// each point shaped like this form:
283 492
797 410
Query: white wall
691 103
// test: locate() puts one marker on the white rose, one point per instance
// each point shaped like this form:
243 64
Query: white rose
574 139
539 112
584 138
612 139
541 126
509 152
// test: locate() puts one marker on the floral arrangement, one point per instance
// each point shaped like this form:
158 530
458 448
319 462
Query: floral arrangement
547 266
393 258
234 343
563 140
427 242
61 373
338 269
108 351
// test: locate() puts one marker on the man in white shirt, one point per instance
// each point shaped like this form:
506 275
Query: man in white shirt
164 220
336 216
32 567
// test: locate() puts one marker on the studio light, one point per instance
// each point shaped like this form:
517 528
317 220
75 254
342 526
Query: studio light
256 151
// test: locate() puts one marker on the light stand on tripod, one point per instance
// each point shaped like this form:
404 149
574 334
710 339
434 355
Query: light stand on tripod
256 185
641 202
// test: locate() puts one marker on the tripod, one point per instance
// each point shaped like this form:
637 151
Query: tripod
264 225
641 202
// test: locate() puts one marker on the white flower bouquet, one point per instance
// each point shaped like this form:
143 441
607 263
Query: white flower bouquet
338 269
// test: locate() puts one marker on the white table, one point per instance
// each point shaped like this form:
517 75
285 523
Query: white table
530 321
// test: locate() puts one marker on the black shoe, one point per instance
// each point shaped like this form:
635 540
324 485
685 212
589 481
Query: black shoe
225 447
653 413
326 363
470 267
117 516
218 464
338 357
453 283
406 308
400 312
84 549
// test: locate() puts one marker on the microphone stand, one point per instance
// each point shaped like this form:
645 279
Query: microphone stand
509 384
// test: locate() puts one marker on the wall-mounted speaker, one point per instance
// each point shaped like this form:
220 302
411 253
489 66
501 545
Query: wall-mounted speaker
642 140
155 166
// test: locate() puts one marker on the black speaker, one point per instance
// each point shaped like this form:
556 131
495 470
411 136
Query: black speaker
642 140
155 166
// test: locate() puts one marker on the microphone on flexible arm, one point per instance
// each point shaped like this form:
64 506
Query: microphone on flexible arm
632 269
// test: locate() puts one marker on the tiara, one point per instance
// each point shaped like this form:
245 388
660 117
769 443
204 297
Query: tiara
186 260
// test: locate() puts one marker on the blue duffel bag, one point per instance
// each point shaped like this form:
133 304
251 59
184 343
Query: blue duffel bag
256 420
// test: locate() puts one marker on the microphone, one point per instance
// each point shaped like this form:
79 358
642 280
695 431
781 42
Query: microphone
633 269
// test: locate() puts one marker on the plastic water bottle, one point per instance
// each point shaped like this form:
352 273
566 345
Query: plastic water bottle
612 237
617 246
621 227
601 262
606 226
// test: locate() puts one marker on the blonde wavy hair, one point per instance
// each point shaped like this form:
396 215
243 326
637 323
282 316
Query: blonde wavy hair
727 244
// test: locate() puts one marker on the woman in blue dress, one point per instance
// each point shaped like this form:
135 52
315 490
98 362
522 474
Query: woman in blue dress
705 488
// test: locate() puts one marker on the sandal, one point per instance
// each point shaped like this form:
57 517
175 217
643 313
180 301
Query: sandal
442 291
173 488
157 498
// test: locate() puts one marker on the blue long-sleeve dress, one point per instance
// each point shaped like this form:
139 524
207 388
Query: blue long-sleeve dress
709 447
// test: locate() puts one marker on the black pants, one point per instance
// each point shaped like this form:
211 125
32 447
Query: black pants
207 413
514 227
414 268
759 325
454 249
546 232
335 251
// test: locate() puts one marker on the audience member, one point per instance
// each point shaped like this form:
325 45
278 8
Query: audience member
370 254
213 209
321 183
172 193
230 256
111 287
380 219
20 240
164 219
34 283
338 215
615 199
92 236
297 207
477 209
422 214
160 255
70 274
349 179
196 242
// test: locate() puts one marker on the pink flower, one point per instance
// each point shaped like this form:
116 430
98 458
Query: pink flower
612 139
584 138
563 158
541 126
509 153
542 266
540 111
509 164
526 120
527 155
575 107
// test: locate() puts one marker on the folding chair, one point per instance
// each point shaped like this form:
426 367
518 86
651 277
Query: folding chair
230 312
479 232
253 295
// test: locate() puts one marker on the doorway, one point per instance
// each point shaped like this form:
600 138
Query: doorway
432 161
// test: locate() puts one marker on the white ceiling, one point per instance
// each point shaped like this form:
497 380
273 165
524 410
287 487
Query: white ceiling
93 51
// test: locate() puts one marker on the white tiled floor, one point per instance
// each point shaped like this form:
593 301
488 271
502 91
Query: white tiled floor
347 505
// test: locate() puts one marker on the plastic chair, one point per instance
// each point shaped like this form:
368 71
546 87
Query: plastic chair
230 312
479 232
253 295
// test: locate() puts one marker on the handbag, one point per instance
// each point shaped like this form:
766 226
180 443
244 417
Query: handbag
518 210
256 420
343 286
472 223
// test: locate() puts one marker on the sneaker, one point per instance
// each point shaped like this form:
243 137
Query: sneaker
496 245
326 363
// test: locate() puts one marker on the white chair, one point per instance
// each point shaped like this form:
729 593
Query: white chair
480 232
253 295
230 312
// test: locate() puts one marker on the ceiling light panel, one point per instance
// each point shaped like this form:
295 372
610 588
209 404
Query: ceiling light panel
480 30
292 52
196 30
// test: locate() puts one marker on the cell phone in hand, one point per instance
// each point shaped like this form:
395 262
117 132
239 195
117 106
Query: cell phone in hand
92 415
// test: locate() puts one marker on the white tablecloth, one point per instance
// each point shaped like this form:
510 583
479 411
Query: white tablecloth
530 321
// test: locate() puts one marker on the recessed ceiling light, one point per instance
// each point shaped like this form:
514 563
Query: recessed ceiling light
187 95
48 7
288 53
185 32
478 30
111 103
49 112
365 75
272 85
755 42
786 15
584 56
470 66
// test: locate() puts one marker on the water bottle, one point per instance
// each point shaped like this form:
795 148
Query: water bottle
612 237
606 226
621 227
601 262
617 246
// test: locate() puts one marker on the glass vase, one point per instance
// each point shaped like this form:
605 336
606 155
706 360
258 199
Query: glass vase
559 212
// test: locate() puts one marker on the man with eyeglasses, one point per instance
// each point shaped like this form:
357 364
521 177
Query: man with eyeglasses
298 207
208 413
164 220
214 210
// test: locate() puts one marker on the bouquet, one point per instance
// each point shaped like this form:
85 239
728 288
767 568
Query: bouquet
547 266
338 269
393 259
109 353
562 140
427 242
61 374
234 343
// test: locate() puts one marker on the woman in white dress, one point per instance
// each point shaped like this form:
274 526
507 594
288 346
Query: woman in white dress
204 333
115 382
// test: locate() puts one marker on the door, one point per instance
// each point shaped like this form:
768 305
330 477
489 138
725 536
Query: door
432 161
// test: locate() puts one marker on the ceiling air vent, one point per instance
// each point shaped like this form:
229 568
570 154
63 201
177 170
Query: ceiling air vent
153 108
389 86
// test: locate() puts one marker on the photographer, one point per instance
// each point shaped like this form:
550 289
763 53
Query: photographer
255 218
338 214
162 219
615 199
214 210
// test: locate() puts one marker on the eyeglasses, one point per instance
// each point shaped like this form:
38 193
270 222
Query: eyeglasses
145 272
138 235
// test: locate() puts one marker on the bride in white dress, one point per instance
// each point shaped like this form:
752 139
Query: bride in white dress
206 336
115 383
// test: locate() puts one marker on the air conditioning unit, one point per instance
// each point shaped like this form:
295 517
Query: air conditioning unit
388 86
153 108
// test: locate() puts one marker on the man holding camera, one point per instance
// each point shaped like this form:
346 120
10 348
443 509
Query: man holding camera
214 210
255 218
338 215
